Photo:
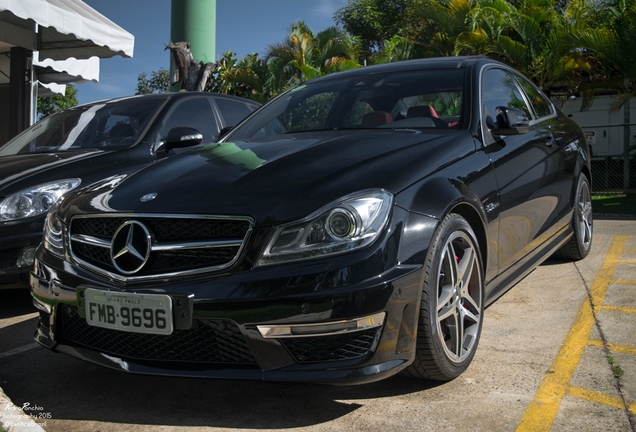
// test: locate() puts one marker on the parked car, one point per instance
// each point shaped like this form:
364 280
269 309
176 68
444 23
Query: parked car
354 227
88 143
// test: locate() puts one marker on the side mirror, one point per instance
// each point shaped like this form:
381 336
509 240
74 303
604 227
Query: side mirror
511 121
224 132
179 137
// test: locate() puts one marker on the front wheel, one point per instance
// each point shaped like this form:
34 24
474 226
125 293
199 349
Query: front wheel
451 310
579 245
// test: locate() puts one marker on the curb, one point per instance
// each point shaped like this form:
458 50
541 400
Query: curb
13 419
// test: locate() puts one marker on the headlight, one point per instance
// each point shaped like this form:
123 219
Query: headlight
352 222
53 232
36 200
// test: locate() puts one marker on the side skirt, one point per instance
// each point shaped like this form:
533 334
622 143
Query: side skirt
503 282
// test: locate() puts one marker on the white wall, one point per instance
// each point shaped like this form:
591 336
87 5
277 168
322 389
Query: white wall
605 140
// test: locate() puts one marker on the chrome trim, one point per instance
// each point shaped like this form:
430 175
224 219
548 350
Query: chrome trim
44 307
116 277
191 137
197 245
96 241
321 329
90 240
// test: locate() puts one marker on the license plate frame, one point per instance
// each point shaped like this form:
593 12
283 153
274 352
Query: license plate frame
130 312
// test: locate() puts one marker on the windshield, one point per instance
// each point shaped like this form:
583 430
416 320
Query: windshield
397 100
106 125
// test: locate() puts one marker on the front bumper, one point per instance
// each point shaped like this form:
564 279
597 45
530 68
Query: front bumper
15 238
347 319
223 341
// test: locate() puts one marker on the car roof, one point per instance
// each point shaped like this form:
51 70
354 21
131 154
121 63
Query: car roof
411 65
173 96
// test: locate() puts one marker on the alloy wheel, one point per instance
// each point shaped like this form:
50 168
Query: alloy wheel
459 302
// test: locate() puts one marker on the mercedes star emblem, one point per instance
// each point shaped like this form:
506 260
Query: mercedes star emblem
130 247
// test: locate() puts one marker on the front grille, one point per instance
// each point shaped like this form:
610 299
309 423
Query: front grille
172 241
95 255
332 348
165 229
213 341
170 260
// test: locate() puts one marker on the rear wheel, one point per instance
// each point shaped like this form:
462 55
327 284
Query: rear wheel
451 310
579 245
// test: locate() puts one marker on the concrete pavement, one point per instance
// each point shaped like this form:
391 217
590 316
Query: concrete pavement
557 353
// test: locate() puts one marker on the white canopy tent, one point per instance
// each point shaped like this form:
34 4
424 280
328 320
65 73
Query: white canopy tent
53 75
68 28
69 37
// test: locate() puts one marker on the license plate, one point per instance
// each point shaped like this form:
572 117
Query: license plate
137 313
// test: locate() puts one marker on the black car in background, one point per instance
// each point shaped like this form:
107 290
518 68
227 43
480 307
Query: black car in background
356 226
88 143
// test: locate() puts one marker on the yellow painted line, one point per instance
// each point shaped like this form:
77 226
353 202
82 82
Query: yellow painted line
613 308
605 273
595 396
623 282
632 408
545 406
625 349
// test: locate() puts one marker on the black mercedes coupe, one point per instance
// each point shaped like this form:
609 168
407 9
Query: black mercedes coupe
354 227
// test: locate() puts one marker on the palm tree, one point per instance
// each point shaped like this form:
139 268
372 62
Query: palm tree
613 42
488 23
442 21
397 48
305 55
534 38
249 77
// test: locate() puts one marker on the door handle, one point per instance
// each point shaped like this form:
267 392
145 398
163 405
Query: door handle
552 139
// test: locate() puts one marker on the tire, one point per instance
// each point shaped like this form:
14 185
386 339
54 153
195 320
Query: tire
580 244
452 293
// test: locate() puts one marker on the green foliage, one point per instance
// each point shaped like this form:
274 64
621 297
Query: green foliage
52 104
305 55
616 370
575 46
397 48
159 82
248 78
374 22
612 40
301 56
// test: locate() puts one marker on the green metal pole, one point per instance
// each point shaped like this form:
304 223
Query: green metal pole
194 21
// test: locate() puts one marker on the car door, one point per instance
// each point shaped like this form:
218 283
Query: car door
526 167
561 142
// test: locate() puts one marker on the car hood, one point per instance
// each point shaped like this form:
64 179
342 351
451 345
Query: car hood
277 180
33 169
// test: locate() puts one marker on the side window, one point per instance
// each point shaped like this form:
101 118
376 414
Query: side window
232 111
500 89
538 101
195 113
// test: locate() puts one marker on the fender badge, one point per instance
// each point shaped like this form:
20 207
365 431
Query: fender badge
149 197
